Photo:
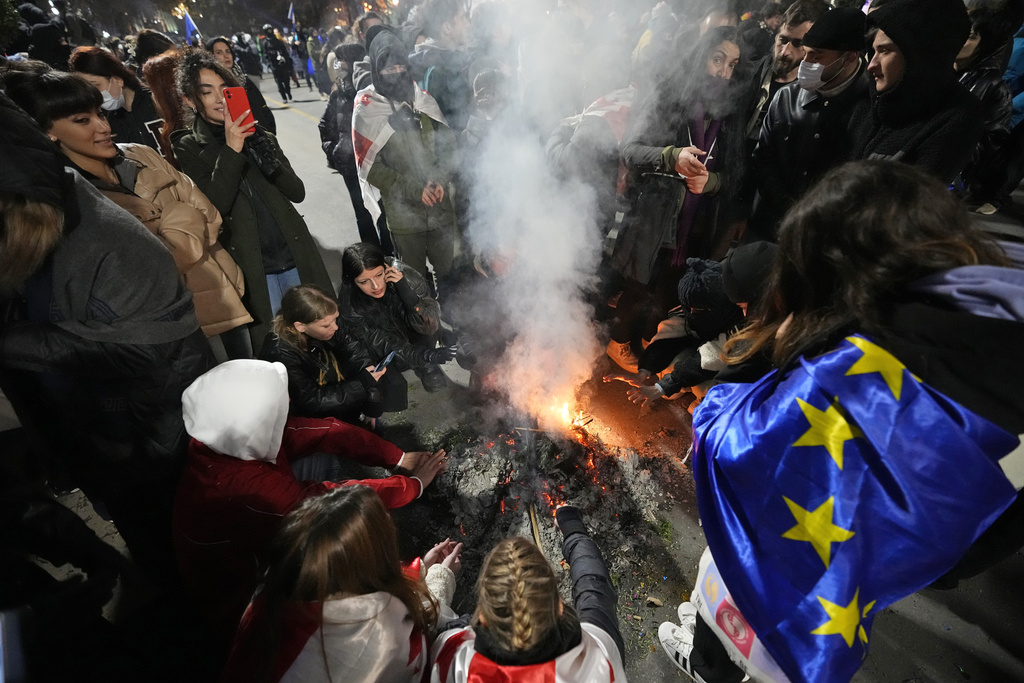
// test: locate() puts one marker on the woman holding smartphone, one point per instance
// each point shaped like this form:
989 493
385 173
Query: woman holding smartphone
243 171
329 373
385 304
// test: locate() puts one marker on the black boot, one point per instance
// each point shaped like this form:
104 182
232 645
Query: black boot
433 378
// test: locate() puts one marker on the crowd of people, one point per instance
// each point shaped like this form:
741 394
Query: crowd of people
783 191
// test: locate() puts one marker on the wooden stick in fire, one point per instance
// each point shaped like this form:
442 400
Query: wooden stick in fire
535 527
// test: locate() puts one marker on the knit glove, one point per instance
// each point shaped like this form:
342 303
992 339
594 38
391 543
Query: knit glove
438 356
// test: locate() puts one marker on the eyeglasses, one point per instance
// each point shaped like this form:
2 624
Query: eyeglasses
786 40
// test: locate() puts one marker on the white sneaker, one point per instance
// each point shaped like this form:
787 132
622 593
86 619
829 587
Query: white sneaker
687 612
986 209
678 644
623 355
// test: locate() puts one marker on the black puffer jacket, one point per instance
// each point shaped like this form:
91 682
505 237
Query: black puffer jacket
328 379
984 80
803 135
403 321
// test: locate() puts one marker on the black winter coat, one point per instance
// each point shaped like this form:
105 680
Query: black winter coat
803 135
336 130
402 321
328 379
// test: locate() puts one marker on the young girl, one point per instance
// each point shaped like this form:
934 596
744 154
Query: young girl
386 306
335 603
329 373
523 631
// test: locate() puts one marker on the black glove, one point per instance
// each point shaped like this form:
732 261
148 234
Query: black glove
439 356
447 337
570 520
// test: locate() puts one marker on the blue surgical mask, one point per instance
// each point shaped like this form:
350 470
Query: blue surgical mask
111 103
809 75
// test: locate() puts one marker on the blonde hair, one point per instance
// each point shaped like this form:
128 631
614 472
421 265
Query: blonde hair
29 231
517 595
302 304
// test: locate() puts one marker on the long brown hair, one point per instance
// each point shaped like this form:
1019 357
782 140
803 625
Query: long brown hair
342 543
29 231
160 72
517 595
849 249
302 304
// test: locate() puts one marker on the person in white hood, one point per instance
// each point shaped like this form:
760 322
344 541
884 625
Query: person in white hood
239 480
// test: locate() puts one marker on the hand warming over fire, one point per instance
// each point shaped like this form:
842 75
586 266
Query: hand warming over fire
423 465
641 395
448 553
634 379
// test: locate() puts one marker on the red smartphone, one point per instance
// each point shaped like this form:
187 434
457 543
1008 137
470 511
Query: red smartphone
237 102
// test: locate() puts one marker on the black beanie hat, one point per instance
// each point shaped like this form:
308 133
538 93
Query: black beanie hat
929 33
745 271
701 285
841 29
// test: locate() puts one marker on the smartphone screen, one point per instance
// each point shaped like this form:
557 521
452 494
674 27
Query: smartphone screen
237 102
384 363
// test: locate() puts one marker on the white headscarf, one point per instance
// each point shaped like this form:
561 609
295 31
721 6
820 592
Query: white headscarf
239 409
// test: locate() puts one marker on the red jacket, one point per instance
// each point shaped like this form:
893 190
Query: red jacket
226 509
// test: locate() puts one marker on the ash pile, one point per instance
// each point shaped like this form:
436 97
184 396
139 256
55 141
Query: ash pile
491 483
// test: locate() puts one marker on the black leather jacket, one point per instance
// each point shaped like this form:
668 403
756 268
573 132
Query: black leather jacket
328 379
985 81
804 134
405 320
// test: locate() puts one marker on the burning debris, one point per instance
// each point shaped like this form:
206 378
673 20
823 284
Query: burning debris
495 483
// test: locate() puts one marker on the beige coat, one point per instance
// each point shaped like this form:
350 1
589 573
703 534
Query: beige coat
168 203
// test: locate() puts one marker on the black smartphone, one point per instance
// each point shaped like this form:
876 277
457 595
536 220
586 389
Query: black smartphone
384 363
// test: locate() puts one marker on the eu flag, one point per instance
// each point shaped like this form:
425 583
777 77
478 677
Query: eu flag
833 491
190 28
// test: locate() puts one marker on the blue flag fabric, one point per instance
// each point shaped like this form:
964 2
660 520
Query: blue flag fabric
190 28
833 492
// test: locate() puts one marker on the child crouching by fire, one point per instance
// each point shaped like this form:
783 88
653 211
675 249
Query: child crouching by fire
522 630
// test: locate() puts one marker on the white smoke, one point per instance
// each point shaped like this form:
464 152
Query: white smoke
543 227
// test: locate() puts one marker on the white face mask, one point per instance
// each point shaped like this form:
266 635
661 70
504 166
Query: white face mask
809 75
111 103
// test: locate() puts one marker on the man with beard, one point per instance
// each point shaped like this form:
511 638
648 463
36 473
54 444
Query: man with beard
405 157
780 67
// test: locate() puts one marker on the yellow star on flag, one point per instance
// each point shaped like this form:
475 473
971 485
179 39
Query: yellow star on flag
816 527
843 621
829 428
877 359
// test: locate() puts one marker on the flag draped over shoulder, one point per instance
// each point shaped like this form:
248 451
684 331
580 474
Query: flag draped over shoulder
371 130
835 491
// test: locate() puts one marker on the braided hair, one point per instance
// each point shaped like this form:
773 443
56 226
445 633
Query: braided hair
517 595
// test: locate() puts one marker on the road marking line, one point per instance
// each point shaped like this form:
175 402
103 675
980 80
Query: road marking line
290 108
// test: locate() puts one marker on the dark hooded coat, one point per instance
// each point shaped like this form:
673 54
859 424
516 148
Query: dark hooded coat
928 119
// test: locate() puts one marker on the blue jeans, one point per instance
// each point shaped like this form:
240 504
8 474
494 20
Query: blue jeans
278 284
